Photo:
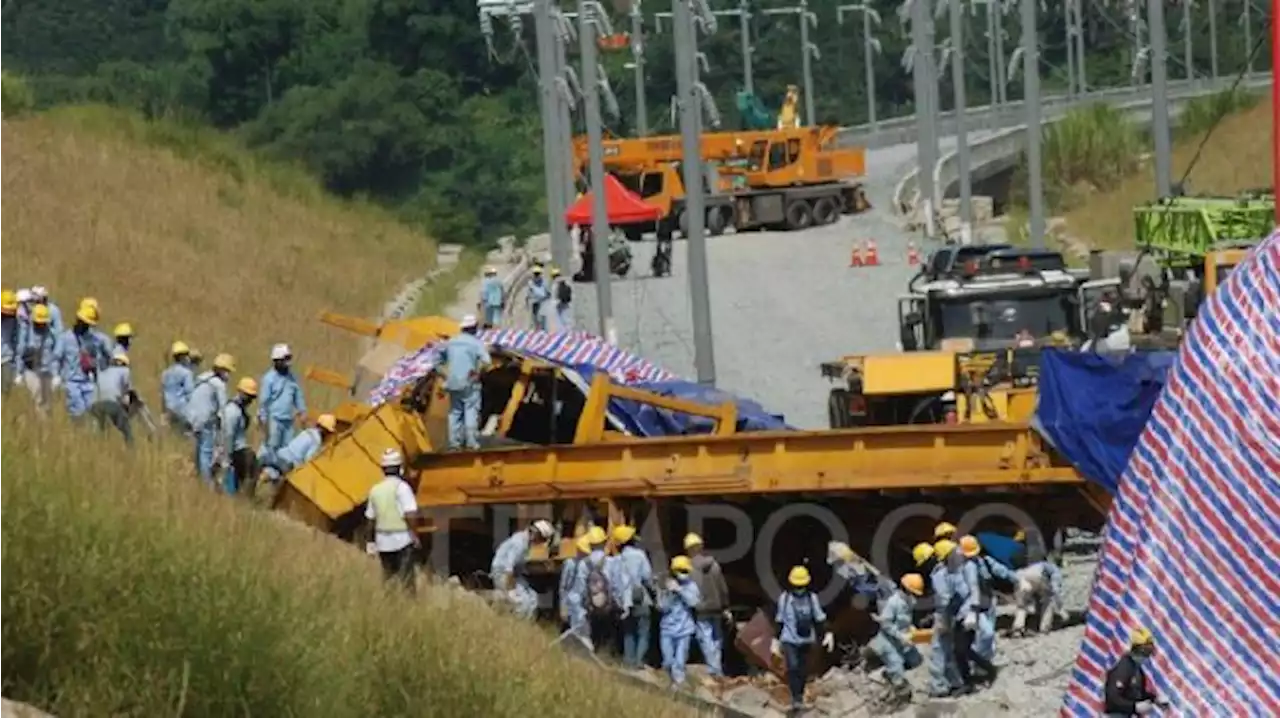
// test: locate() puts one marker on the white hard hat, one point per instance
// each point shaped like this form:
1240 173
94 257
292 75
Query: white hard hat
391 458
544 528
490 270
24 295
280 351
468 321
39 291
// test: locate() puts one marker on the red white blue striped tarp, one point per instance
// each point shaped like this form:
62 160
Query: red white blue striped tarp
565 348
1192 545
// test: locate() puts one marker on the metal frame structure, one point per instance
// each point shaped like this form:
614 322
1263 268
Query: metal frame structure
870 48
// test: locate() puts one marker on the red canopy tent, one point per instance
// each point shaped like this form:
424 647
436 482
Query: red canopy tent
622 206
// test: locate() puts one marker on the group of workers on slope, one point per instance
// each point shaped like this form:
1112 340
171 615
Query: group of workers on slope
540 296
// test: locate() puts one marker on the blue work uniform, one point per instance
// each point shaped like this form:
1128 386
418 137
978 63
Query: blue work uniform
282 400
676 627
508 573
176 384
55 318
42 346
536 295
203 410
464 355
633 594
572 610
949 594
300 449
235 430
798 635
579 589
980 573
892 644
491 301
80 358
110 397
10 346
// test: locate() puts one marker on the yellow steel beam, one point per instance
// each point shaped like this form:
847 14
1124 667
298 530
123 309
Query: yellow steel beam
329 376
356 325
911 457
517 397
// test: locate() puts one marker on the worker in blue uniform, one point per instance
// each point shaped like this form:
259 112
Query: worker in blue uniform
635 595
491 298
176 384
301 448
10 340
282 402
465 357
801 620
123 335
675 629
203 413
236 455
983 574
949 593
536 296
894 643
573 611
40 296
591 587
562 291
37 359
508 568
82 353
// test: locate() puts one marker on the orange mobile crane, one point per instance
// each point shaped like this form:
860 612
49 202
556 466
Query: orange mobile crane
791 178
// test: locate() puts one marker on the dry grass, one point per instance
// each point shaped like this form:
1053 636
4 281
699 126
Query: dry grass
1237 157
184 236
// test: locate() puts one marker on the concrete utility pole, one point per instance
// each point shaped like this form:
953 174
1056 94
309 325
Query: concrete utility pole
1082 84
743 13
567 83
808 51
918 59
591 17
1137 28
637 59
1246 20
1213 39
1071 48
962 134
1031 101
870 48
1160 99
1188 59
687 19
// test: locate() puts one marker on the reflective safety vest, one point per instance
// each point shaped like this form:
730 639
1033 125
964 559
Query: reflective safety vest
388 518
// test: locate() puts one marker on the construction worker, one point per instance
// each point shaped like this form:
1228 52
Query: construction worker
635 595
949 593
491 298
893 644
573 612
535 296
176 383
111 399
1039 587
301 448
1128 691
10 339
802 620
713 606
203 412
562 290
677 604
82 353
508 568
235 452
40 296
983 573
863 579
37 359
465 357
282 403
23 312
972 616
123 334
196 359
390 510
592 588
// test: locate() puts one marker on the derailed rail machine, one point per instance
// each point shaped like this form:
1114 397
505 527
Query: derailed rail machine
568 443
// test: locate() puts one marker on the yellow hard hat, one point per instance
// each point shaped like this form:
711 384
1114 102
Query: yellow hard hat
681 564
41 315
90 302
1141 637
691 539
944 530
120 358
179 348
8 302
225 362
799 577
969 546
88 314
623 533
123 330
1020 535
583 544
195 355
841 551
943 548
913 583
922 552
248 386
537 269
328 422
596 536
555 271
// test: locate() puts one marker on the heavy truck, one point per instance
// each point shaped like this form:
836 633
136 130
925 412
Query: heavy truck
783 179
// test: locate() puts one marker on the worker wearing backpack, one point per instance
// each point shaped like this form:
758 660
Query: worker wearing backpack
593 588
573 613
563 293
802 621
634 596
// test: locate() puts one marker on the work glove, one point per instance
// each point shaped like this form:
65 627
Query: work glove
370 548
672 585
829 641
17 380
1144 708
775 647
908 635
971 622
56 383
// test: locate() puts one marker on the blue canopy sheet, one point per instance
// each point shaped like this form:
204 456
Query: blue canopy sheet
1092 408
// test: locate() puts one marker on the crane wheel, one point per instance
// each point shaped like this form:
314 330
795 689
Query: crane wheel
799 215
715 221
838 409
825 211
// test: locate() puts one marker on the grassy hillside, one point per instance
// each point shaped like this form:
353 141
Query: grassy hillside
1237 157
130 590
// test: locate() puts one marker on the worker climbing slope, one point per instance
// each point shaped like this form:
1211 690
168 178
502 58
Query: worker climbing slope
893 644
234 451
592 586
573 610
983 574
465 357
9 339
282 402
389 511
37 359
113 390
82 353
204 411
508 568
40 298
176 384
300 449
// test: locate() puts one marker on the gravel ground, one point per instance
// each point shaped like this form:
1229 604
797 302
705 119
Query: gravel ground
781 302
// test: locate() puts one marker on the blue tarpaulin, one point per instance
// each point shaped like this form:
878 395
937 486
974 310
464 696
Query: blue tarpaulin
1092 408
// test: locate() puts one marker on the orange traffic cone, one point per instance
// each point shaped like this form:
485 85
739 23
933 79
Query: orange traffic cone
855 257
869 254
913 255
